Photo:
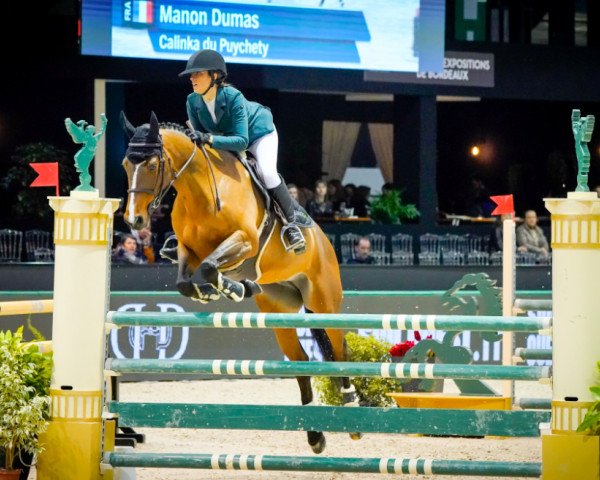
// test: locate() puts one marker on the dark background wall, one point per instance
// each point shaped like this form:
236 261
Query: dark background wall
522 122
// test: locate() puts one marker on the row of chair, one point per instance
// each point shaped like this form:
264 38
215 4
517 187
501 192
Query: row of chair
451 250
434 249
38 246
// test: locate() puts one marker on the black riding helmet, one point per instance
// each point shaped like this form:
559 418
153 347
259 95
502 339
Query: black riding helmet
205 60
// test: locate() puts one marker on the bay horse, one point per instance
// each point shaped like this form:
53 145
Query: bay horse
230 238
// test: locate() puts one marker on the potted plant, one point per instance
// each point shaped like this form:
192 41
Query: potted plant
24 401
389 208
591 421
371 392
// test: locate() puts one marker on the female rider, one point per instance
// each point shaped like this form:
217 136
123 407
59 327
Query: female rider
225 120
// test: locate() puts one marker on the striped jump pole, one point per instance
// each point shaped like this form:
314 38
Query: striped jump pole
328 369
526 304
331 320
414 466
26 307
533 354
527 403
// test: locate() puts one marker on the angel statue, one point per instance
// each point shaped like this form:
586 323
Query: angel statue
81 132
582 131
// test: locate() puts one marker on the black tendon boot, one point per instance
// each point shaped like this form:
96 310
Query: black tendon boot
291 236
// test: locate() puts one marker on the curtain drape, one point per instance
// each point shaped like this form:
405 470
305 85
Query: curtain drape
339 140
382 140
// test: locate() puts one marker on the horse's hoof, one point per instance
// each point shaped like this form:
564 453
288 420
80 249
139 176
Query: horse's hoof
251 288
319 447
233 290
355 435
205 293
349 396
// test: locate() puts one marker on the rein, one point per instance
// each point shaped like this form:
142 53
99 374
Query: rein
158 198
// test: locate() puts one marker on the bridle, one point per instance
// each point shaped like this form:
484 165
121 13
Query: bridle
157 191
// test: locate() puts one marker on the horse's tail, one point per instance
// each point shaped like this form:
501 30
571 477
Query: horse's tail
324 343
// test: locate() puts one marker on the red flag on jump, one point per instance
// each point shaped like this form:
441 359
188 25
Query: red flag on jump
504 204
47 175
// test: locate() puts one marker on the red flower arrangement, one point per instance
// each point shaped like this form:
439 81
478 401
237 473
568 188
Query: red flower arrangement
400 349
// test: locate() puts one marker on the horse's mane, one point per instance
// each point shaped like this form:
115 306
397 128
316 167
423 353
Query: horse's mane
176 127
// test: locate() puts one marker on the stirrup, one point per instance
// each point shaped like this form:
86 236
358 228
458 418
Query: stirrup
299 246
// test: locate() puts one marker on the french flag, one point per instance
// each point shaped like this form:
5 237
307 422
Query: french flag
143 11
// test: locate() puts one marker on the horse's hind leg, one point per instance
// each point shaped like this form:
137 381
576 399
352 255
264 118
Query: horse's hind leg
333 346
285 302
326 298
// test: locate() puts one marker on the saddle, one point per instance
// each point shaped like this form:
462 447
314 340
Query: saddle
301 217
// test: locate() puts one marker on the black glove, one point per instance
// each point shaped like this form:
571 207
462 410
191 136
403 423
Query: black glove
199 138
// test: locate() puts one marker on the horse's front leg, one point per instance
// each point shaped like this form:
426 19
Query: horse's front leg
233 250
187 264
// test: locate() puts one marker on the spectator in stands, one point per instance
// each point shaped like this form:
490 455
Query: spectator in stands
531 238
349 191
335 194
145 243
497 233
319 207
127 251
362 252
360 201
293 190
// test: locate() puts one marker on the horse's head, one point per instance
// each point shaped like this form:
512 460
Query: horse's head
147 173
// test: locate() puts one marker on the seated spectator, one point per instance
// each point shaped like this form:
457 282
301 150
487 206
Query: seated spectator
531 238
349 191
144 239
319 206
362 253
127 251
293 191
335 194
360 201
497 233
298 194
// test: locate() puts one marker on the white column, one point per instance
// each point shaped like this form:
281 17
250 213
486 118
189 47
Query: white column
575 305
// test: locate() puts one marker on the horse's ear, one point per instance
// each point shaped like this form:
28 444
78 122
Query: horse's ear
153 125
127 126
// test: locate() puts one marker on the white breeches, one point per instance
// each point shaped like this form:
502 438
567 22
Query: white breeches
265 151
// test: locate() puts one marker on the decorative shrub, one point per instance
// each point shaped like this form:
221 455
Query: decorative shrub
591 421
371 391
390 209
24 385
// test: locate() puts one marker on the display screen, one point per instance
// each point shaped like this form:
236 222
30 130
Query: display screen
388 35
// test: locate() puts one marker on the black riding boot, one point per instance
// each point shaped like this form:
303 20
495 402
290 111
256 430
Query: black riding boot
294 240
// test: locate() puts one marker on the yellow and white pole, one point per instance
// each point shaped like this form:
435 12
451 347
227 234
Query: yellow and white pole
26 307
508 299
575 334
83 224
